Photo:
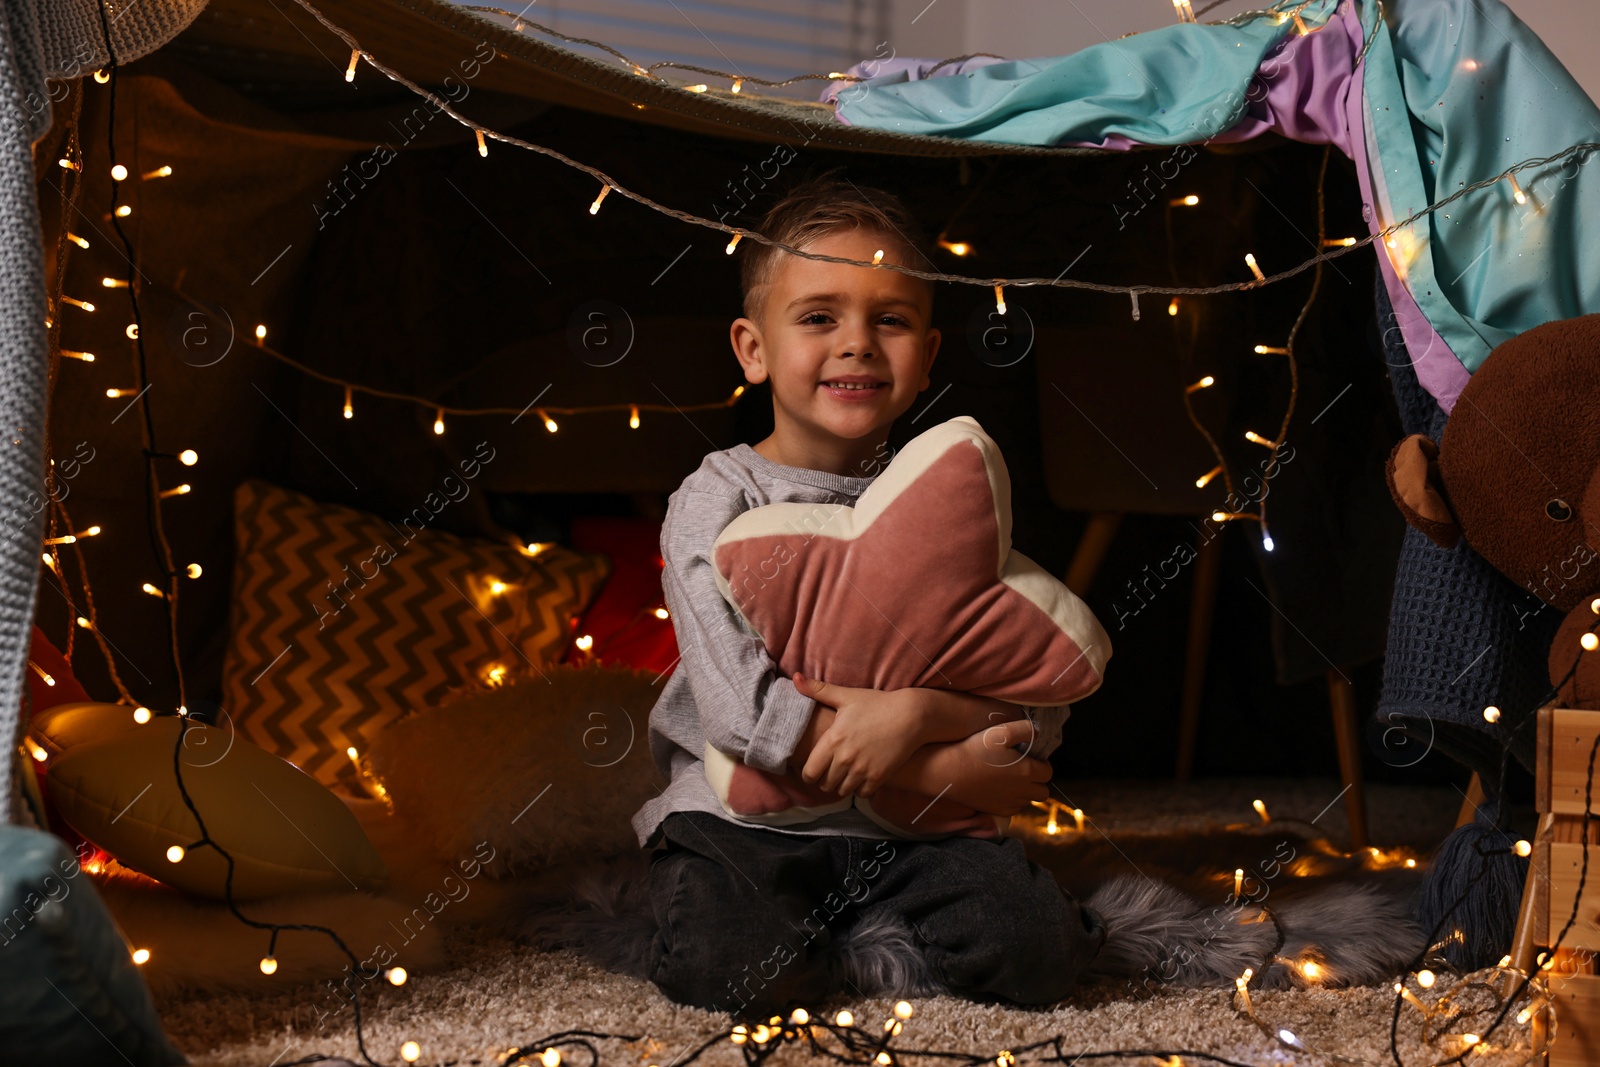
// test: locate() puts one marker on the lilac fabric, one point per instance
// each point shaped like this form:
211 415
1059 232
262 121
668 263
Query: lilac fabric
1309 89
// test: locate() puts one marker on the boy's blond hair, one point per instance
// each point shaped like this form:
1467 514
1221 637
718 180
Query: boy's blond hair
819 207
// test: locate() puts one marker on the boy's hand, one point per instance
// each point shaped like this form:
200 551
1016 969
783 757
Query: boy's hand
872 736
984 772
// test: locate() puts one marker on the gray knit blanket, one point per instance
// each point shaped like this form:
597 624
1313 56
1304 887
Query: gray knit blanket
44 42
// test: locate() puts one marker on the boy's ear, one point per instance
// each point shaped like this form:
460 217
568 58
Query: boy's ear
929 354
745 336
1418 490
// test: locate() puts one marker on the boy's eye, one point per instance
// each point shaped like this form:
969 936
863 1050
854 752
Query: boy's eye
895 320
813 318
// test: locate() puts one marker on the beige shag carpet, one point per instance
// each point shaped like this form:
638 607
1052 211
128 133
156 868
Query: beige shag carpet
487 993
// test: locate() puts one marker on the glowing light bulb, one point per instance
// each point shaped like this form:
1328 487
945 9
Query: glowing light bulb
737 84
1261 810
152 590
438 421
1470 1039
956 248
1186 201
496 586
113 283
1255 438
1516 190
1311 969
1205 479
1000 299
349 412
141 715
1172 308
268 965
883 1059
844 1018
119 173
193 570
550 1057
188 457
549 423
903 1010
738 1035
1267 542
1262 350
1238 881
800 1017
483 146
410 1051
1339 242
594 208
37 751
584 642
124 211
1204 383
633 416
163 171
175 854
397 976
79 241
877 257
1250 261
350 71
734 243
141 956
1425 978
1491 714
699 87
261 332
662 613
1522 848
1589 642
85 623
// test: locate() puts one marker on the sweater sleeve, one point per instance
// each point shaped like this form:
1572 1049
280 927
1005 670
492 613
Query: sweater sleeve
747 709
1048 722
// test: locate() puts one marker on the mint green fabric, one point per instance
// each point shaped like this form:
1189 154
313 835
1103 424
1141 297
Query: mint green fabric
1458 91
1174 85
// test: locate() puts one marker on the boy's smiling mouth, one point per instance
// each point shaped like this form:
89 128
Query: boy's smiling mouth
855 385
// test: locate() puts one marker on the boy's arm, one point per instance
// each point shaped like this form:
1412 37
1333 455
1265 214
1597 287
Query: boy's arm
746 707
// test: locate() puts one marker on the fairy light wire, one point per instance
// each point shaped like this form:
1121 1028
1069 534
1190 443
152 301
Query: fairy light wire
158 532
444 106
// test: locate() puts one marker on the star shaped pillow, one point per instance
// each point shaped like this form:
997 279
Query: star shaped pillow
916 585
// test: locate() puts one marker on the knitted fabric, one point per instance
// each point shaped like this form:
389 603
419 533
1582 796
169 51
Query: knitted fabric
40 40
1462 636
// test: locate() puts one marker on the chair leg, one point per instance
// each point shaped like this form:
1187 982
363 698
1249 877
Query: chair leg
1091 551
1202 607
1347 735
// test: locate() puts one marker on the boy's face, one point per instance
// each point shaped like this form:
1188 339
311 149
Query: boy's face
846 348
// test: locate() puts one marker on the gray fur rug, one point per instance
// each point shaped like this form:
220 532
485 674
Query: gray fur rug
1307 915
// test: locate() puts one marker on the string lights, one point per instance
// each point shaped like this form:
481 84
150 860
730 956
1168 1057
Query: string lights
860 1046
443 106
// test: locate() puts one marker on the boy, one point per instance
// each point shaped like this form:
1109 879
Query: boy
748 917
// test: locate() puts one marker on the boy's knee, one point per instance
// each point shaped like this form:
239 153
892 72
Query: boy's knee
723 951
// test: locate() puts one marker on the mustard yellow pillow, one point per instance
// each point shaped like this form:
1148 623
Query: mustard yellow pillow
62 726
286 832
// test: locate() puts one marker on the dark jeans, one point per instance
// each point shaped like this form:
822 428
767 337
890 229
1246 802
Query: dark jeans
746 915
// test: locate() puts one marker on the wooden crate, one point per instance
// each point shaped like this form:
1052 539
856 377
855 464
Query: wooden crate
1565 738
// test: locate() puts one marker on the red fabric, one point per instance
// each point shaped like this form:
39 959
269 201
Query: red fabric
622 618
42 694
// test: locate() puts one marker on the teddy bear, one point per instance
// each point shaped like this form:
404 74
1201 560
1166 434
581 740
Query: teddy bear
1516 474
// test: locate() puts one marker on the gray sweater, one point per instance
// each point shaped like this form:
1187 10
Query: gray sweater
726 689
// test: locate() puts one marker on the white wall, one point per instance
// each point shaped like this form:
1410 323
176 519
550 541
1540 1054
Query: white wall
1026 28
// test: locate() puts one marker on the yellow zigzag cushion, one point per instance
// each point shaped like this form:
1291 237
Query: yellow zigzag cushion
343 622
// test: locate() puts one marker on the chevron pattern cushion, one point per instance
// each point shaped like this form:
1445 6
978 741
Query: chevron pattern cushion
342 622
916 585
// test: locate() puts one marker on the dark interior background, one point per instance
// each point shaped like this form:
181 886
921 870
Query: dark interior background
442 274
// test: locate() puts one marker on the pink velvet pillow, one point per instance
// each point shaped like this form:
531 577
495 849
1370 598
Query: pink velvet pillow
917 585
